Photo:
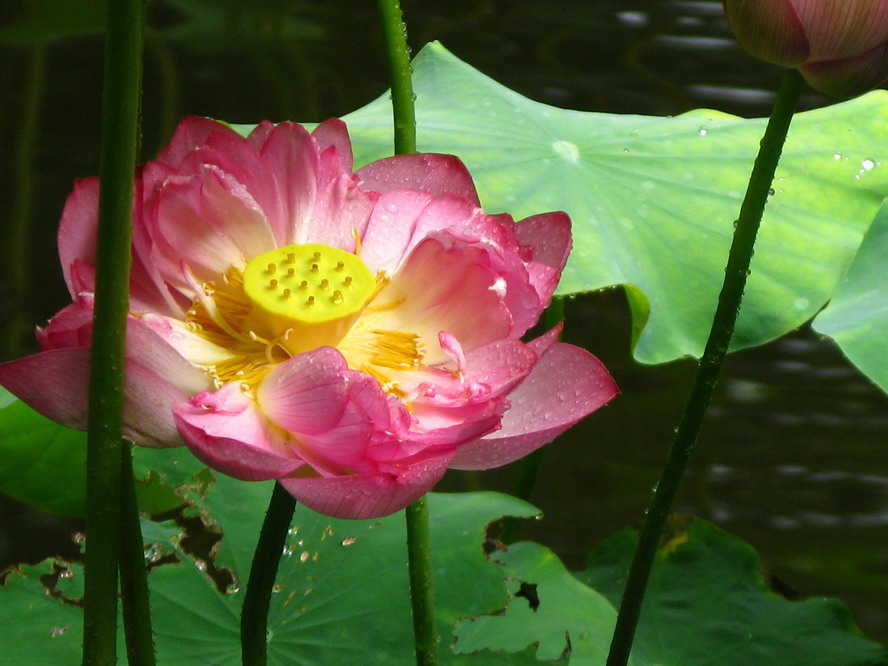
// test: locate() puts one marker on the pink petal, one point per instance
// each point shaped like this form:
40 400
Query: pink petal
306 394
70 327
391 229
770 30
567 384
454 425
333 133
496 236
146 347
483 373
191 133
838 29
291 156
238 158
210 222
228 432
342 209
368 496
851 76
426 172
549 236
448 289
77 252
365 420
77 230
55 383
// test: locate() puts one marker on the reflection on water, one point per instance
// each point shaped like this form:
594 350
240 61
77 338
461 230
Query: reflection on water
792 457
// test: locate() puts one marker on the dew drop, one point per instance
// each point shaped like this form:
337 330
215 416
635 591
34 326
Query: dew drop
867 164
567 150
703 131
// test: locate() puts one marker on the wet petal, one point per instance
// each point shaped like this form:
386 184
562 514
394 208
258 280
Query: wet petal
549 237
306 394
443 288
226 430
567 384
209 222
432 173
368 495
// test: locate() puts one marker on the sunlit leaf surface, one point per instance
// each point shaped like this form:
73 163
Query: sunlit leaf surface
857 316
653 199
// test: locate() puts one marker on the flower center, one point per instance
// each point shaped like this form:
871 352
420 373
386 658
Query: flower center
309 295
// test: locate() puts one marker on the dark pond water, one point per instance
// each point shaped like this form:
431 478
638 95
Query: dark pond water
793 455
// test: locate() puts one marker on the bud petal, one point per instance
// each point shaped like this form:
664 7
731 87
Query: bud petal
769 29
838 29
848 77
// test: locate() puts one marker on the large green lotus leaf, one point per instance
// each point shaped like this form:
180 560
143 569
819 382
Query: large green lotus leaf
569 618
857 316
37 628
341 594
653 199
43 464
708 604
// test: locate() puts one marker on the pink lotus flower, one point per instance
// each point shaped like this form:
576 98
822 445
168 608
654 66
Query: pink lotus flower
351 335
839 46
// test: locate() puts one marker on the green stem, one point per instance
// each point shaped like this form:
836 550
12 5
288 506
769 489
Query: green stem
133 572
120 131
254 614
398 53
419 554
422 593
710 365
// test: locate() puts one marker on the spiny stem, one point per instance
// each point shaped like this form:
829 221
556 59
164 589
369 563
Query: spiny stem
400 74
419 555
120 133
133 572
710 365
422 593
267 558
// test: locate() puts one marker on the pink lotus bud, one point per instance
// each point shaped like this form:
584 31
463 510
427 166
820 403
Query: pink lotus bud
839 46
